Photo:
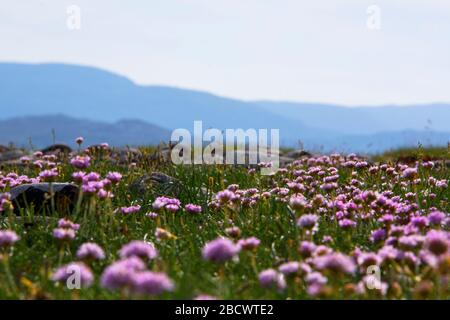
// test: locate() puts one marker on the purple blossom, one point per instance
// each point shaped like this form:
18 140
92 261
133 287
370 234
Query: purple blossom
151 283
248 243
378 235
130 210
192 208
419 221
25 159
121 273
289 267
409 173
48 175
410 242
437 242
151 215
316 278
366 259
139 249
63 234
79 140
170 204
335 262
307 221
436 217
90 251
91 176
220 250
306 248
172 207
114 177
298 202
64 274
78 176
81 162
8 238
103 194
270 279
225 196
347 223
67 224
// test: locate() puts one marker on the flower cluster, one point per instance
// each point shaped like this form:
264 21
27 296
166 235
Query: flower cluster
66 230
130 272
170 204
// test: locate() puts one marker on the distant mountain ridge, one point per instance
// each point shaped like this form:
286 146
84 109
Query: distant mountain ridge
104 98
364 120
42 131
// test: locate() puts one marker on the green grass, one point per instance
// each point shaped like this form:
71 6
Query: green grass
37 254
432 153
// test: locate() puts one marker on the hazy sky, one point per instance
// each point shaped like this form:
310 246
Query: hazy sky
315 50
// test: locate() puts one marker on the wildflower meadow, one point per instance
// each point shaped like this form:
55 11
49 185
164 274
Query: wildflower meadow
321 227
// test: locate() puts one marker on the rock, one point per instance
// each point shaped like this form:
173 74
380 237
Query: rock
297 154
12 154
12 163
126 155
158 183
3 148
161 155
284 160
57 149
36 195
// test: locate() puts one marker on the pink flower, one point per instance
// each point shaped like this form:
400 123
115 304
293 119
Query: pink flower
139 249
249 243
8 238
114 177
65 272
220 250
81 162
192 208
79 140
130 210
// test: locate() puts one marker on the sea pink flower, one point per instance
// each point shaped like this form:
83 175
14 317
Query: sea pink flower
139 249
79 140
192 208
249 243
64 273
130 210
270 279
121 273
81 162
8 238
90 251
220 250
151 283
114 177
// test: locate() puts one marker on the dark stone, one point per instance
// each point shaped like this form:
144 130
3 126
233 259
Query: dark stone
157 183
284 160
162 155
11 154
57 149
37 195
126 155
3 148
297 154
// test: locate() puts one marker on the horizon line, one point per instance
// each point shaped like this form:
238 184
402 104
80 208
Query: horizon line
203 91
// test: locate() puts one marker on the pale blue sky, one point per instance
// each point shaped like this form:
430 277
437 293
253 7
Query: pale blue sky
320 51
